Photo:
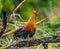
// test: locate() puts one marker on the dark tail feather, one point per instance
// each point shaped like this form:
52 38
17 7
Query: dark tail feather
4 22
20 33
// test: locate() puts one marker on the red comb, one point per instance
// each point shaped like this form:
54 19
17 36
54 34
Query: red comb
35 12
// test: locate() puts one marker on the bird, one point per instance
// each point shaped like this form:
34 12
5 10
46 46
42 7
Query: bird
28 29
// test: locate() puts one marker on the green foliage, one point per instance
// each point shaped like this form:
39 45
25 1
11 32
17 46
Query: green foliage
47 6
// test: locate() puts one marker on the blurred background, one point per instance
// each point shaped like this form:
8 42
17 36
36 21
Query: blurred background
46 8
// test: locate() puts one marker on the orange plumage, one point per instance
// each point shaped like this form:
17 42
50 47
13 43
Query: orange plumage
31 24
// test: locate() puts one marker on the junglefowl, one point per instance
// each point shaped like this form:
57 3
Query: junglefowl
28 29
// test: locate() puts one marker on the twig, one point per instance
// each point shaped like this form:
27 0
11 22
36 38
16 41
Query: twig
12 22
8 33
41 21
18 6
50 39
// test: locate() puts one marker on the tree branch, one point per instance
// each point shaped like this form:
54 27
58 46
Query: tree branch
50 39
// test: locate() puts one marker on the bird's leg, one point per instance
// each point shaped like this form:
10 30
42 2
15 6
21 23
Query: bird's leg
33 37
